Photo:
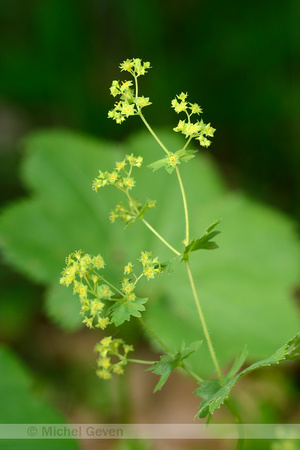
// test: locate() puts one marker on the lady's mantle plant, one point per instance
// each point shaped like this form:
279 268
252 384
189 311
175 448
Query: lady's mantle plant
103 303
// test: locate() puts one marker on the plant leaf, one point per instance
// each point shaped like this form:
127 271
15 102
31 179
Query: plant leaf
169 362
24 405
123 310
238 362
169 266
204 242
214 398
157 164
186 155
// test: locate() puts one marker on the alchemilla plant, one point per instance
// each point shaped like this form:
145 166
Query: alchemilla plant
103 303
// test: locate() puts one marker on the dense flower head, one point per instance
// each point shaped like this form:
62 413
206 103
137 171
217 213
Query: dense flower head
198 130
135 66
151 266
120 177
130 103
81 271
112 357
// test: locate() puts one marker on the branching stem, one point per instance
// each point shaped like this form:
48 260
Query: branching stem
155 337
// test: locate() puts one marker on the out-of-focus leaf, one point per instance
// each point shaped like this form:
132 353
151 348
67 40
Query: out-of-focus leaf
19 404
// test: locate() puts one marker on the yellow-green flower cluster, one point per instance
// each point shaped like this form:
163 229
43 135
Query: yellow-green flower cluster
151 266
130 213
107 348
120 177
82 272
198 130
130 103
135 66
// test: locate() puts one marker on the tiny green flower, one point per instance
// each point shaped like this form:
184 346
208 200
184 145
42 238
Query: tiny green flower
128 110
105 292
102 322
104 374
128 182
125 85
98 262
82 291
128 268
88 321
115 88
143 101
118 369
195 108
120 165
105 342
172 159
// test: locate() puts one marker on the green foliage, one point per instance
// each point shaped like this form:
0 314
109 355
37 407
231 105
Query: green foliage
204 242
123 310
214 394
172 160
169 362
20 403
240 284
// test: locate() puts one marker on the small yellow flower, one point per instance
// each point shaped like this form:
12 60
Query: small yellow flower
105 363
102 322
120 165
88 321
118 370
104 374
98 262
106 341
149 272
82 290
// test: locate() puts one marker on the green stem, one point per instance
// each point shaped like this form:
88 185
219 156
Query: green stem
187 142
203 323
141 361
160 237
151 228
232 407
112 286
187 238
186 214
155 337
191 372
153 133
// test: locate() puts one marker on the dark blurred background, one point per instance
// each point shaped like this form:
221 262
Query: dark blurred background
239 60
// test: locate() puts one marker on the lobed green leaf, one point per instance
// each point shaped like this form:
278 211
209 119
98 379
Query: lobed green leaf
204 242
123 310
214 395
169 362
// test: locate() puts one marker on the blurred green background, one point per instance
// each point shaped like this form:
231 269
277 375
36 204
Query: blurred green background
239 60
